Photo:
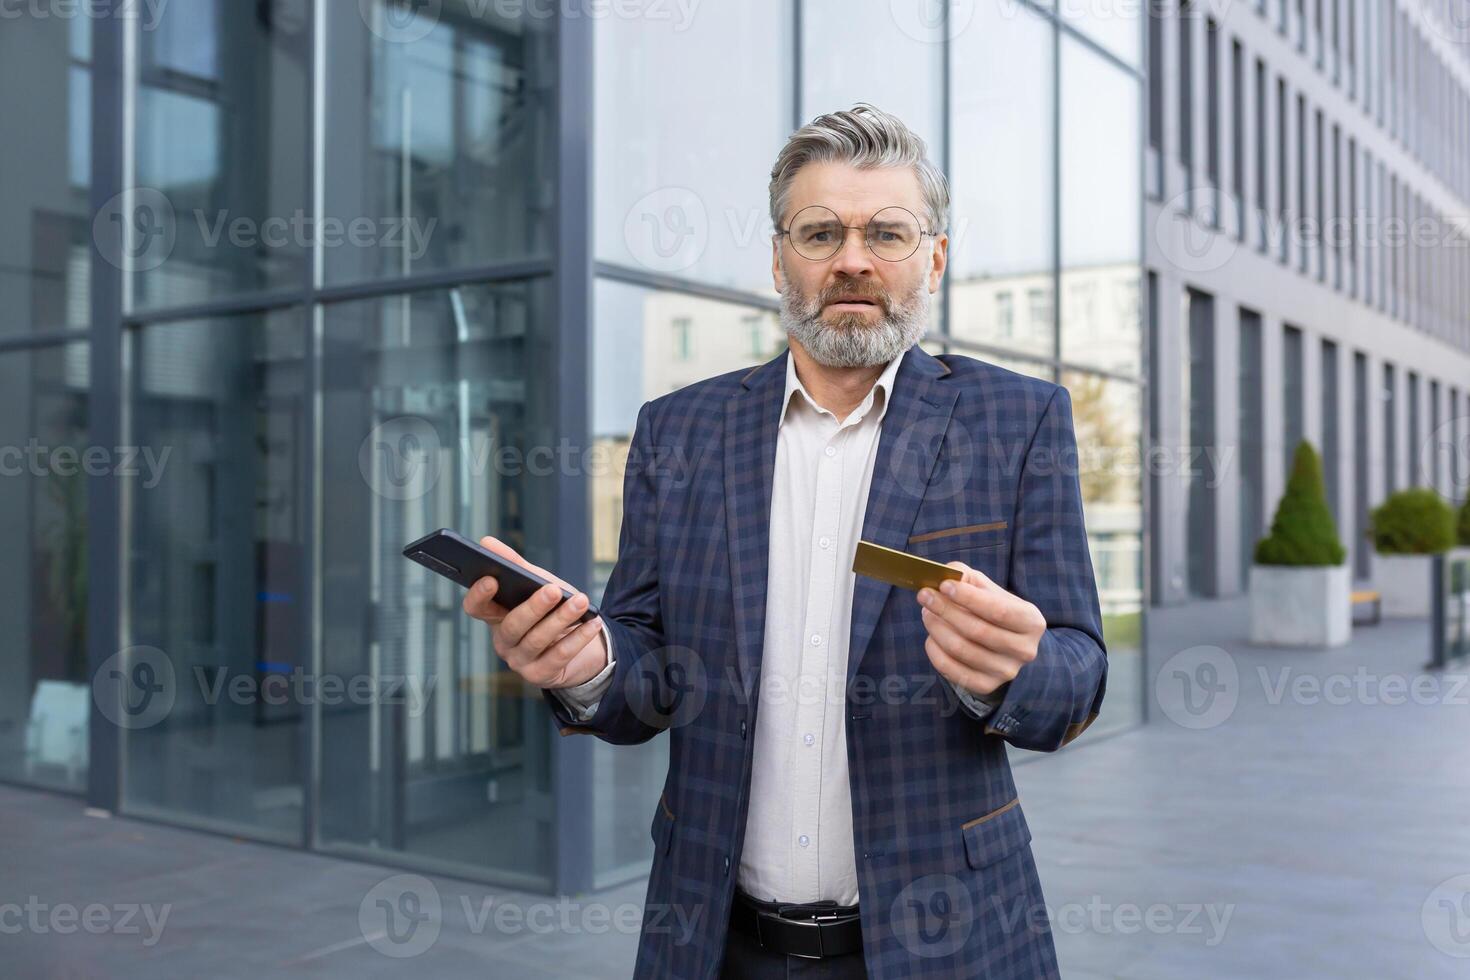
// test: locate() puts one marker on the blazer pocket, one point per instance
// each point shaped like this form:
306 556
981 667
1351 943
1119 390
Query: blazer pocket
662 828
963 538
994 835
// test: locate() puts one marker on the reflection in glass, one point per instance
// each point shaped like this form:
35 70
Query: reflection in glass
1000 272
865 52
214 571
1106 414
1101 314
689 119
635 346
46 697
437 139
223 116
45 215
431 419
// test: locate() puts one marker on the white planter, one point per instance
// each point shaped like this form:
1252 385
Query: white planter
1407 585
1301 606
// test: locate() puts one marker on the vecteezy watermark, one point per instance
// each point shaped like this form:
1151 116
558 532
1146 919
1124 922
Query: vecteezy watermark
933 916
1364 687
1198 688
1444 458
139 231
403 916
401 458
35 459
1187 232
1102 917
42 918
147 13
407 21
667 230
1445 917
138 687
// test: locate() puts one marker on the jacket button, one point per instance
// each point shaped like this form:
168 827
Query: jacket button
742 729
727 865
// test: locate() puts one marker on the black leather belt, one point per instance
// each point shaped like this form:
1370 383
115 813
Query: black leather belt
810 929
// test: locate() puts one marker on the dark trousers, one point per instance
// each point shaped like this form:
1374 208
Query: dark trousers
745 960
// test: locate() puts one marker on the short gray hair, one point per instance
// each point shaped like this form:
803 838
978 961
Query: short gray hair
866 137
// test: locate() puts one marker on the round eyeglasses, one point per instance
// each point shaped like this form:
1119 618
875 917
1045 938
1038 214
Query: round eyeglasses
817 233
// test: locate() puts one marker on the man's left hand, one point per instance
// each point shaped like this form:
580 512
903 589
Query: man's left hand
980 635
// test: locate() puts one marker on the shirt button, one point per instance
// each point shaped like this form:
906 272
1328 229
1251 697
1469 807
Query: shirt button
803 840
831 450
825 542
809 738
816 640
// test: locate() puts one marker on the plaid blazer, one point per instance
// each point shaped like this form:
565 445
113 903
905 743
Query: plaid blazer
974 463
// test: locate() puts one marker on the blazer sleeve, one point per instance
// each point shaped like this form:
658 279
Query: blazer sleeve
1055 697
626 712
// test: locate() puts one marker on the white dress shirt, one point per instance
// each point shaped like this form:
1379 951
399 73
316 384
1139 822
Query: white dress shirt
798 834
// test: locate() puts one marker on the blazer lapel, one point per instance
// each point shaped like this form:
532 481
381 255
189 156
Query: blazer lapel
913 431
751 418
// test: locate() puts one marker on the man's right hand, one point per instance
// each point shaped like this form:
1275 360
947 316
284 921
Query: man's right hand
539 639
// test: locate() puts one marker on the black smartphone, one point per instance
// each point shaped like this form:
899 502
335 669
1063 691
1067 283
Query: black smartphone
461 560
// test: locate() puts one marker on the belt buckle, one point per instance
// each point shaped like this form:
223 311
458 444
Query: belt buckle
813 921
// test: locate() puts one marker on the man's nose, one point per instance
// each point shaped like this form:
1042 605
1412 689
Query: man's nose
853 257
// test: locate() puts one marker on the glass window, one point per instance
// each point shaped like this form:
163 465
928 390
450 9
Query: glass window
1001 237
429 420
45 467
1113 25
216 605
438 138
681 177
45 214
889 56
1100 205
222 132
1293 379
1106 414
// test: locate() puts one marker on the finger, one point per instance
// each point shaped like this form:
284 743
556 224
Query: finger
519 621
973 575
994 605
555 623
970 624
479 601
962 675
959 646
547 667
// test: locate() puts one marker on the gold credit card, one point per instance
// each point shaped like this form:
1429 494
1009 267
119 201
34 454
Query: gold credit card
900 568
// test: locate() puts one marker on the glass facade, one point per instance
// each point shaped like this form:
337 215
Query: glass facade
337 248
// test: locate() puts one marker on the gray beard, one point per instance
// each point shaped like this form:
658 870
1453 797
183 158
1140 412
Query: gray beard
850 341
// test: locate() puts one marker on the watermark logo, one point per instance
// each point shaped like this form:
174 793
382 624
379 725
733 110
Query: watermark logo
667 230
932 21
148 14
42 918
933 916
135 688
400 459
1446 453
1187 233
1198 688
136 231
401 21
401 916
667 687
1445 916
948 443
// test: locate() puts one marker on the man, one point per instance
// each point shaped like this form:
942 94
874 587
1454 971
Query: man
839 801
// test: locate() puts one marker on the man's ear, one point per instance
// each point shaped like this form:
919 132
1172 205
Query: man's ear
777 279
939 261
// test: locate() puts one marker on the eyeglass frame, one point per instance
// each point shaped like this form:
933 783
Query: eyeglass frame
786 233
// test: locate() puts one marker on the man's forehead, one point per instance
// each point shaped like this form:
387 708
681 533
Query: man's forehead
855 192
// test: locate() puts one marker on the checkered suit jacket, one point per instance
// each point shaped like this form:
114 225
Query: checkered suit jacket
974 463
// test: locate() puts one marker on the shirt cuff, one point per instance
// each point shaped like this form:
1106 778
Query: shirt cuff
582 699
980 706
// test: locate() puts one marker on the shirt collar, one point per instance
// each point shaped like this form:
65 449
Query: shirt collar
884 384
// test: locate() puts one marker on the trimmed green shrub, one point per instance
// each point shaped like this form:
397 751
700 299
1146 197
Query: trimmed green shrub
1464 529
1303 532
1413 522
